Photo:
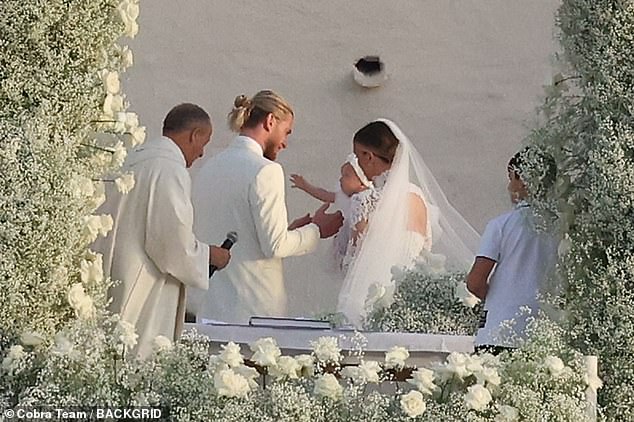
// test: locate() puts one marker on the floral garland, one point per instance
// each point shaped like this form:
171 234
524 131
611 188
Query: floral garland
588 129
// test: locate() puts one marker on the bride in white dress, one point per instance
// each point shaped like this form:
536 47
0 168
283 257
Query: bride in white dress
405 214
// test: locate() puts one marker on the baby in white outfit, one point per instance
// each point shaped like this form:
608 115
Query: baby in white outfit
352 182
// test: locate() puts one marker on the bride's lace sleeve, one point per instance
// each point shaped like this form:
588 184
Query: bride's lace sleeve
362 204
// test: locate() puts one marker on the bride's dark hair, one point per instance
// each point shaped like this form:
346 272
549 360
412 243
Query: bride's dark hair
379 138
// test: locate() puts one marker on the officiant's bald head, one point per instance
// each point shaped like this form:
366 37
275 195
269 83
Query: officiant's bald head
189 126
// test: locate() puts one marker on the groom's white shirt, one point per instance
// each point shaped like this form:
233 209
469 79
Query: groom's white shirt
240 190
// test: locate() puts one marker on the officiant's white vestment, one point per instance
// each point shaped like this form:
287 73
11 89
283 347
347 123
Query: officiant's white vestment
152 249
240 190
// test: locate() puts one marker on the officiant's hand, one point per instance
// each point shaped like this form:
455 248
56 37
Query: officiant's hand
328 223
300 222
219 256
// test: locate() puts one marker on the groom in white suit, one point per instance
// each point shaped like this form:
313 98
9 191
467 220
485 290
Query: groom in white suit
242 190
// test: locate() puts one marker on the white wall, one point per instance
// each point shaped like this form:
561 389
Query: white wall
465 76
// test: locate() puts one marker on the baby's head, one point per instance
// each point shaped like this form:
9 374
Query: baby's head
353 179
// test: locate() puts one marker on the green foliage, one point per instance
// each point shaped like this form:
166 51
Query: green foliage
588 128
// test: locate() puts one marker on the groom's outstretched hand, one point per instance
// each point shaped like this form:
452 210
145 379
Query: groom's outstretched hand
328 223
300 222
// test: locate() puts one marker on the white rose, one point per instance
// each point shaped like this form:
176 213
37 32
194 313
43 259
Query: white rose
80 301
554 365
127 58
477 397
91 269
465 296
105 224
131 29
327 386
375 292
125 183
129 8
488 376
413 404
162 343
136 136
16 353
327 349
379 296
265 351
507 414
474 364
108 106
423 379
307 362
249 373
456 365
231 354
369 371
129 12
593 382
31 338
111 82
564 246
396 357
91 226
131 120
287 367
230 384
127 335
119 123
63 346
99 197
118 154
112 104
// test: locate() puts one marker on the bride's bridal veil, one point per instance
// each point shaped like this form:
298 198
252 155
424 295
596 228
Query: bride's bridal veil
384 243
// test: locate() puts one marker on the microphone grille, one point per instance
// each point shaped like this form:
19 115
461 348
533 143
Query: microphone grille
233 236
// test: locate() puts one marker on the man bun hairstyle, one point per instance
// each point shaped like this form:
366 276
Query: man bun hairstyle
249 112
378 137
184 117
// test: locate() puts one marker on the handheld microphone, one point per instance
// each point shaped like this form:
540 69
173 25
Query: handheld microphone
232 237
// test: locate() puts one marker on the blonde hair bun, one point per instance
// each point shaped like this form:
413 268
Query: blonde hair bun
242 101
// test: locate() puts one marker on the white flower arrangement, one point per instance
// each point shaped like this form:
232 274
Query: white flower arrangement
327 385
413 404
231 355
231 384
265 352
585 136
424 298
396 357
326 349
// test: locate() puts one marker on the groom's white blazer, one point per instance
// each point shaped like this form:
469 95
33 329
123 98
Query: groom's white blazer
240 190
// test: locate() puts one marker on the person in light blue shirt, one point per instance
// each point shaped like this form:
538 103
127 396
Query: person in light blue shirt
512 263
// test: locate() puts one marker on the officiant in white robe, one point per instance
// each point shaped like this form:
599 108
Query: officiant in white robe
152 249
242 190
